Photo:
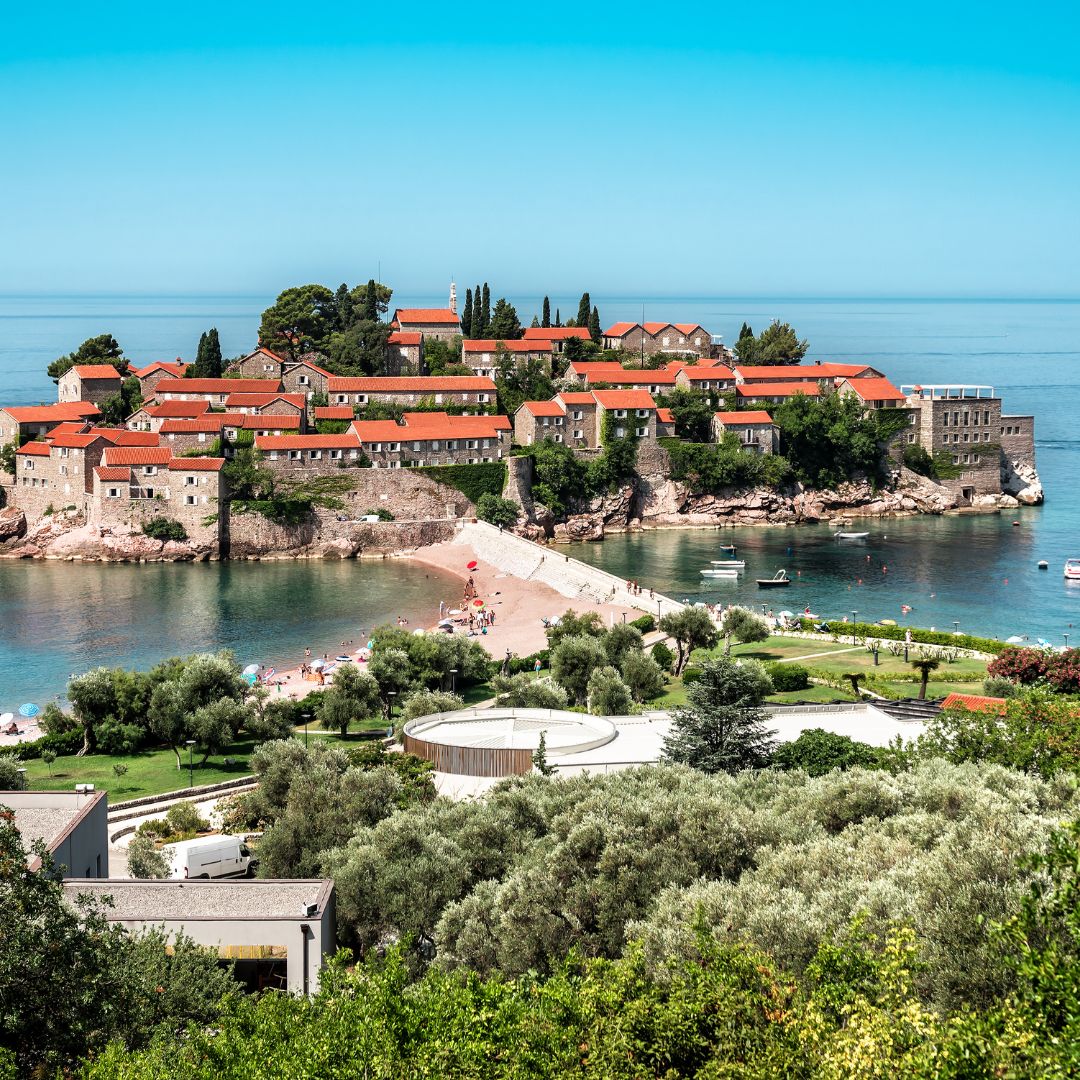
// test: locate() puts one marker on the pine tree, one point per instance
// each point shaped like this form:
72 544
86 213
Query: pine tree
466 318
505 325
485 312
558 320
213 354
535 324
584 310
545 320
477 330
594 325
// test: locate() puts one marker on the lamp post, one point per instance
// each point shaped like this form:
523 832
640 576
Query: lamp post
955 627
307 717
1066 641
390 695
854 639
658 616
453 679
190 768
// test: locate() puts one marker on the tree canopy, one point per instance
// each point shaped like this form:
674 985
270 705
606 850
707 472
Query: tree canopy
776 344
103 349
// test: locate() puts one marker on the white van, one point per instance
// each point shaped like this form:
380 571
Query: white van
211 857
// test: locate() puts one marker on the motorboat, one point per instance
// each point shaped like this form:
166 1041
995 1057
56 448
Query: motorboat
728 547
739 564
1072 569
778 579
852 535
1043 564
724 572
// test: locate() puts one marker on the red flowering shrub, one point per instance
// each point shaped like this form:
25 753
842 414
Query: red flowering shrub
1024 666
1063 672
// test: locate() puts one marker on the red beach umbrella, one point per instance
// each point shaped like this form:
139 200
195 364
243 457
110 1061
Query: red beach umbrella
472 566
478 603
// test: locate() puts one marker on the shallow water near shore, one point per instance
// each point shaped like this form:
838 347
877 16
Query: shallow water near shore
60 618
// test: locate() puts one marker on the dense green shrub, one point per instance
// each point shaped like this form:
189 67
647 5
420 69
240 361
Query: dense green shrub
68 742
788 677
818 752
162 528
473 481
496 510
664 657
919 636
644 623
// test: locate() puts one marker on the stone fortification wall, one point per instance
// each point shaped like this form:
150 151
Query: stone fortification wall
202 523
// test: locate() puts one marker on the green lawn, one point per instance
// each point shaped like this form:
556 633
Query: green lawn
149 772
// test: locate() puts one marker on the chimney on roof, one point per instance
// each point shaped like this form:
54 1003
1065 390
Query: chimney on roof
453 297
817 363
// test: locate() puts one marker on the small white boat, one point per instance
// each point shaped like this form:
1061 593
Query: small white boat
1072 569
776 581
717 572
728 547
852 535
739 564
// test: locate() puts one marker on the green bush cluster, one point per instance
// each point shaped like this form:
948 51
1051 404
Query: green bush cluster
473 481
788 677
922 637
163 528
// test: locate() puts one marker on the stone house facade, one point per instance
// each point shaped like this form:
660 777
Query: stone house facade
556 336
434 439
713 378
754 429
152 374
89 382
57 474
309 455
591 372
475 390
405 350
35 421
260 364
755 395
439 323
872 393
659 337
633 413
484 355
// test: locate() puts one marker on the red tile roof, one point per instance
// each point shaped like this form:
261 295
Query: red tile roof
773 372
333 412
123 437
706 372
620 329
113 472
748 416
61 411
73 442
406 337
137 455
276 357
782 389
178 408
196 464
424 427
346 440
544 408
96 371
975 703
309 364
68 427
34 449
268 421
665 416
480 345
469 425
218 386
208 423
372 431
176 368
689 327
655 328
875 389
603 371
625 399
556 333
260 401
425 317
431 384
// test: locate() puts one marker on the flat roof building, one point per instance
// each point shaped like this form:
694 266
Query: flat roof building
73 826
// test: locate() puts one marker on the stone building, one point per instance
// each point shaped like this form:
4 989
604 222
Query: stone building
556 336
439 323
406 351
152 374
261 363
309 455
73 826
276 404
432 438
216 391
753 395
872 393
34 421
712 378
659 337
754 429
535 421
817 371
607 373
58 473
474 390
633 413
89 382
484 355
151 417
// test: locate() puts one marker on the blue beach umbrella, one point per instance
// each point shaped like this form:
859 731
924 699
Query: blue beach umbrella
29 709
249 678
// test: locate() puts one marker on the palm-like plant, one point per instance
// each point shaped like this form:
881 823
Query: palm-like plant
924 667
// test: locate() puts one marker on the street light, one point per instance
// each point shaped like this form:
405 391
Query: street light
854 639
956 627
190 774
307 717
453 679
391 694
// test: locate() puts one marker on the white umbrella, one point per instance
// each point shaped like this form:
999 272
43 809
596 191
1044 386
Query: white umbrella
454 611
316 664
1014 640
250 669
7 718
786 615
418 632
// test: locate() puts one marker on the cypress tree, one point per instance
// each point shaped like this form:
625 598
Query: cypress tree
477 330
535 324
344 305
466 318
545 320
594 325
213 354
485 312
198 369
584 310
558 320
371 301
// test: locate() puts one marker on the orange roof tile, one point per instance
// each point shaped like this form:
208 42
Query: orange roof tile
72 441
748 416
665 416
406 337
756 390
137 455
178 409
425 317
68 427
260 401
218 386
309 364
346 440
872 389
655 328
96 371
707 372
544 408
61 411
480 345
557 333
196 464
333 412
772 372
467 426
975 703
207 424
176 368
34 449
267 422
621 329
431 384
113 472
372 431
123 437
689 327
625 399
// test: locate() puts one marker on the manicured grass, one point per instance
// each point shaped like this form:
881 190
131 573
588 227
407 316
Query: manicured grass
150 772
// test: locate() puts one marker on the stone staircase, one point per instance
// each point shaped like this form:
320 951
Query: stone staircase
910 709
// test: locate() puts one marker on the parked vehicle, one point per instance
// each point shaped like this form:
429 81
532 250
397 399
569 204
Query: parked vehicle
211 857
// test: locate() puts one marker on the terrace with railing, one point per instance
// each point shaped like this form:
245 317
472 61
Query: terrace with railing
947 391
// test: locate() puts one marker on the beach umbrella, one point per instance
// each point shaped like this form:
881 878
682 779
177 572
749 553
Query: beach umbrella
29 709
454 611
316 664
418 633
7 717
249 678
446 622
1014 640
251 669
478 603
786 615
472 566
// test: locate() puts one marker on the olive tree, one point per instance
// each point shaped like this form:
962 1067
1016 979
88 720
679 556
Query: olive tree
573 661
607 694
743 625
352 698
691 628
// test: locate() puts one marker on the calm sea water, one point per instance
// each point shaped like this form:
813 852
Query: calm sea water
979 572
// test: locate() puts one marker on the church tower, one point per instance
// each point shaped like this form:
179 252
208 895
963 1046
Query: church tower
453 297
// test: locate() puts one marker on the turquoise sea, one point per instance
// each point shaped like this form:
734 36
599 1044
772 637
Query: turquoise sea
977 572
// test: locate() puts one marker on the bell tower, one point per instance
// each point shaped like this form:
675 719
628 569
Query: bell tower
453 297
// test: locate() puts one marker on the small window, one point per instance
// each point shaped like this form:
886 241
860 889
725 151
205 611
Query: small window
314 455
189 481
190 500
304 380
113 493
294 455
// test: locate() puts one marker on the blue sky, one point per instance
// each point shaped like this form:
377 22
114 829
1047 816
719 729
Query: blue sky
713 149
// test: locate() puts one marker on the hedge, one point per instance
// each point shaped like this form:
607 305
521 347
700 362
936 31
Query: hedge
788 677
645 623
487 478
918 636
69 742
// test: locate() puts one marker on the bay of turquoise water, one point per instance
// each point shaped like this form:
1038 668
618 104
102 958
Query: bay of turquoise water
978 572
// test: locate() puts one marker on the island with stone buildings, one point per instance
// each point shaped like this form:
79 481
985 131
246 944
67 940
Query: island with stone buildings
650 425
